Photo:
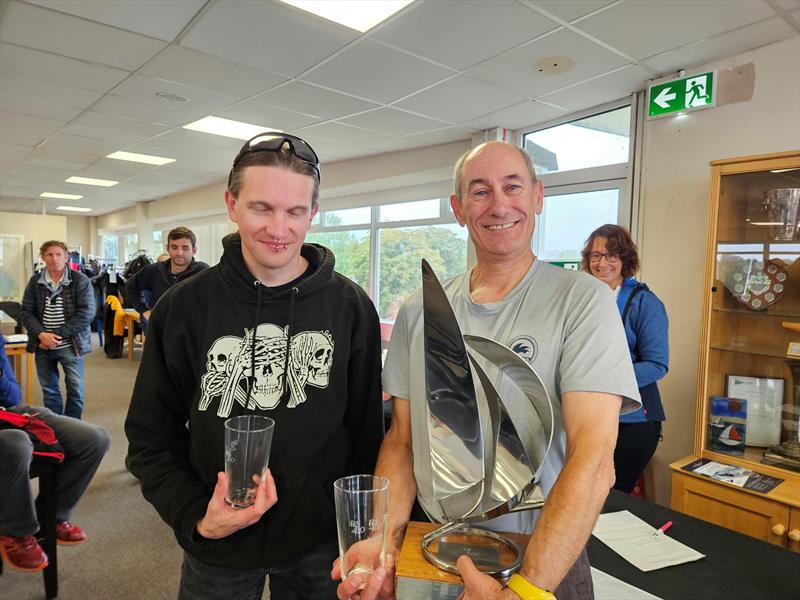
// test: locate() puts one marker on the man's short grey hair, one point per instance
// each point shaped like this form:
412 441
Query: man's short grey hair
458 172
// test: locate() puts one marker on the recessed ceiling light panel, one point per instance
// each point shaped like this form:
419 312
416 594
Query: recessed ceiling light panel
228 128
91 181
60 196
74 208
355 14
141 158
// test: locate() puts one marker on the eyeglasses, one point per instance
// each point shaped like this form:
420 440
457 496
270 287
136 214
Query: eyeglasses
596 256
273 141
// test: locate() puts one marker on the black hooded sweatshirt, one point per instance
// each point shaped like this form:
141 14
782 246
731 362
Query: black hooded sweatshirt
200 366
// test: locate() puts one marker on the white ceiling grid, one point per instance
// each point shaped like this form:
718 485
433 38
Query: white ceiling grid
79 78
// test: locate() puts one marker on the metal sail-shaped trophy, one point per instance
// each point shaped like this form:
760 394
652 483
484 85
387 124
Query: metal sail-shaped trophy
485 452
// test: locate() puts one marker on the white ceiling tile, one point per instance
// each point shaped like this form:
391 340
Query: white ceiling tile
270 117
113 128
448 134
63 146
17 62
11 156
395 144
517 71
719 46
569 10
482 29
46 164
163 20
13 203
460 99
36 108
373 71
201 70
41 177
48 92
184 142
36 27
119 170
267 36
313 100
672 24
519 116
393 121
116 105
26 130
618 84
141 88
790 4
339 134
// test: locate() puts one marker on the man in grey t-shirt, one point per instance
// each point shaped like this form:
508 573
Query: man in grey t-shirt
566 325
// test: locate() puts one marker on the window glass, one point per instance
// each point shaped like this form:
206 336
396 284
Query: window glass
158 243
347 216
407 211
400 251
591 142
109 244
568 219
131 244
351 249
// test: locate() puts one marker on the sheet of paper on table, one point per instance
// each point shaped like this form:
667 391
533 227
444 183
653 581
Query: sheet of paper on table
608 587
631 538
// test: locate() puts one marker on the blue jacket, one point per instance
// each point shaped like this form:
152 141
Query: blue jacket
646 328
9 388
78 309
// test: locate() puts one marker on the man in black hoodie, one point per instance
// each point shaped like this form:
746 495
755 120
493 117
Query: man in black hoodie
148 285
273 330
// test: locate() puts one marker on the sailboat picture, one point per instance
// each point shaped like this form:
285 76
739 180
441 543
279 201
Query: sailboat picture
727 425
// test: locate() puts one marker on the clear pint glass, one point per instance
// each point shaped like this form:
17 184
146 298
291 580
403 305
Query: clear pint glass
248 439
362 503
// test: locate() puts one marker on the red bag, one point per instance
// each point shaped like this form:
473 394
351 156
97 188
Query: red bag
45 441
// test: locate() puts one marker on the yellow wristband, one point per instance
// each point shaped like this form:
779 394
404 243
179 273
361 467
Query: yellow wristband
526 590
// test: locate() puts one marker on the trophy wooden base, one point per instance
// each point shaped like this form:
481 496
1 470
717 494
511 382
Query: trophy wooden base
417 579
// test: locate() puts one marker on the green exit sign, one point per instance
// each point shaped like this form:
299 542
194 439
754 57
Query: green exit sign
681 95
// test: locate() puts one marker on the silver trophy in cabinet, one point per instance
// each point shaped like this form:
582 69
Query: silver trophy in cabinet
485 452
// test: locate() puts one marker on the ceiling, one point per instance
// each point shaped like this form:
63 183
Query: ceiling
80 79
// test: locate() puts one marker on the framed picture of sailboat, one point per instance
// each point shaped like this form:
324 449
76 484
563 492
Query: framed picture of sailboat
727 428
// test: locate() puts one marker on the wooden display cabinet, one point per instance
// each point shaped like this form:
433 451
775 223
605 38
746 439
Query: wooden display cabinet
744 332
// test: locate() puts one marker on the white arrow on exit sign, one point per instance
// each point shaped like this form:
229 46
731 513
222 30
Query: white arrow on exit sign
664 97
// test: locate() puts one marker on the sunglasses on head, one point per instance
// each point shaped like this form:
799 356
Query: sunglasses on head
273 141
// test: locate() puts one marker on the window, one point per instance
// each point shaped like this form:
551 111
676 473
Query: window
110 246
401 250
594 141
583 162
131 243
158 242
380 247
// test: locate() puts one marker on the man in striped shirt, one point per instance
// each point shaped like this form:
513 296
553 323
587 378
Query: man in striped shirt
57 308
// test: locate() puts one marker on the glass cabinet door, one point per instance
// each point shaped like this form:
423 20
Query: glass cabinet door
753 378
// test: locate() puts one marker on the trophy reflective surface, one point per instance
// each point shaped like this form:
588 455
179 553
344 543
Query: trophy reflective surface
485 452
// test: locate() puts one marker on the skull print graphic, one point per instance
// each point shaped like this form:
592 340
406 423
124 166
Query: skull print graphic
232 368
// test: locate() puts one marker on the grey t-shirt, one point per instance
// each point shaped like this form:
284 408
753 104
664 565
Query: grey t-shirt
564 323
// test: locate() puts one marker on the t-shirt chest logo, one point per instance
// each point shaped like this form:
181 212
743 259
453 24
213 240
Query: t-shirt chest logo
526 347
232 369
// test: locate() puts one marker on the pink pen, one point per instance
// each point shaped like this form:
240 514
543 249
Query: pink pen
662 529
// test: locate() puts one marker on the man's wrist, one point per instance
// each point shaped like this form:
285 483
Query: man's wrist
528 591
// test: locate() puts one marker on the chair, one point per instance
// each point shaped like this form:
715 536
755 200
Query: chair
13 310
46 509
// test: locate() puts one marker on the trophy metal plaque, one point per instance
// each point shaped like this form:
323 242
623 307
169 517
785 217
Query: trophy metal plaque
486 452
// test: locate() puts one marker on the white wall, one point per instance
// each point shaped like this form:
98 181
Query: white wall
79 233
760 115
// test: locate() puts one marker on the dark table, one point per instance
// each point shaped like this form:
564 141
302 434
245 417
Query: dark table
736 566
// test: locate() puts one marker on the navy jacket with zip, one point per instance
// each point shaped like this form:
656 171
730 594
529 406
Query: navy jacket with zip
313 367
78 309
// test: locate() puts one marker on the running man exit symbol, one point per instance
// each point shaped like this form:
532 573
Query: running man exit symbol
680 95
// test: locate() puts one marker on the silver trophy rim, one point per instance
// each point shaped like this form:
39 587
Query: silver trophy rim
460 527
